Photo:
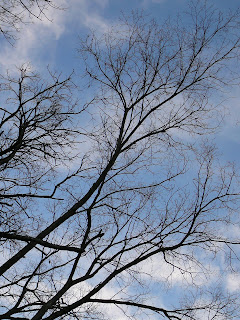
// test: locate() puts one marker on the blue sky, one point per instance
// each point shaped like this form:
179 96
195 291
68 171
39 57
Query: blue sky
54 42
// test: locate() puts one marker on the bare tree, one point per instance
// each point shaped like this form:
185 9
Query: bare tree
142 189
14 13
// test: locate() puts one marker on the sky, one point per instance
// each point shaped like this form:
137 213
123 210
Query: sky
53 41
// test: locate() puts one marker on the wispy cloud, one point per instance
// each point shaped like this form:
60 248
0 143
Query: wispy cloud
34 39
89 14
38 40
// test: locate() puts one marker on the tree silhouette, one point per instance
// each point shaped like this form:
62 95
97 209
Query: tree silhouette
94 194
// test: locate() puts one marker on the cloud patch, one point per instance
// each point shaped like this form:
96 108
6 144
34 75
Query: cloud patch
38 39
233 282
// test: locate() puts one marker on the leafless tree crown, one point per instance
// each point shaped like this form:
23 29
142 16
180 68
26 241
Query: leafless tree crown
94 194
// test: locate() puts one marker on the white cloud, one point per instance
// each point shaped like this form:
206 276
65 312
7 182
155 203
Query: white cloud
185 272
37 41
89 14
34 39
108 292
233 282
